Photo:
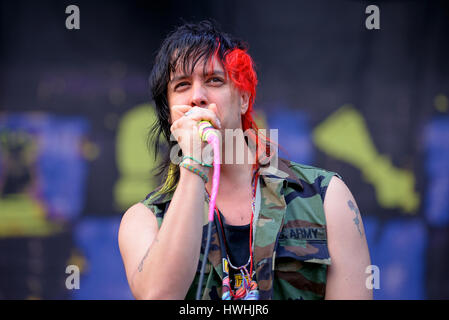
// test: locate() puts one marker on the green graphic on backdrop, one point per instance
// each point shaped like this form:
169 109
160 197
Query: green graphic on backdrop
134 161
345 136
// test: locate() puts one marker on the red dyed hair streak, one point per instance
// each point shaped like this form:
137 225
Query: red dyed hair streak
240 68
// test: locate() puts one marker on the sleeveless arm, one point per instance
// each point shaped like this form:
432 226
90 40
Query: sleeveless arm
138 229
348 248
161 262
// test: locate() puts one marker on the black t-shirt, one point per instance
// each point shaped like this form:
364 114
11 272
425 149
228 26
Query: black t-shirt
237 242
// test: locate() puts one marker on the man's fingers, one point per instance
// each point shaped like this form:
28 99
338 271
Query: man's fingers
199 114
178 111
195 113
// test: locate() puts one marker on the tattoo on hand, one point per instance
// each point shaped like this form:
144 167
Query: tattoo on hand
356 220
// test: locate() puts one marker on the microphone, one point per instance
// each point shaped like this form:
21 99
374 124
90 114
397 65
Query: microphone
207 131
210 135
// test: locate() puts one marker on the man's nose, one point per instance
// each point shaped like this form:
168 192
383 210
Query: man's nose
199 96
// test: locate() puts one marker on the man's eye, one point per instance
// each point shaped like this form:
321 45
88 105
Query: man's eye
181 84
215 80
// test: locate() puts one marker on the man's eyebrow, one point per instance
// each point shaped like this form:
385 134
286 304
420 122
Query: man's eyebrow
184 76
215 72
181 76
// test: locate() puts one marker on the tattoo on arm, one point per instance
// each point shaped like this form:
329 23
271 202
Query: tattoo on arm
356 220
140 268
143 259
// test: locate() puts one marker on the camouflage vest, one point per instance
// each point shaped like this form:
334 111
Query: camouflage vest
290 253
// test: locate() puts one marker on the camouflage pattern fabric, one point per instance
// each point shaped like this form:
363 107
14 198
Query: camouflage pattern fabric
290 253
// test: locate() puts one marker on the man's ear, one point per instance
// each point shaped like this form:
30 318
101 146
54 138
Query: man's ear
244 96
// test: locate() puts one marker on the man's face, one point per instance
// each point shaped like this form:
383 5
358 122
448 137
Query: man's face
204 87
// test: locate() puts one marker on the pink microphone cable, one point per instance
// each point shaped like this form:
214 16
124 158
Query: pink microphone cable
210 135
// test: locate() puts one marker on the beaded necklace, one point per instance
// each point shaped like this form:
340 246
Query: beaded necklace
247 288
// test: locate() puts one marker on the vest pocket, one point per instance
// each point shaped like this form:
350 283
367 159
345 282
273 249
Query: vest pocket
302 244
300 269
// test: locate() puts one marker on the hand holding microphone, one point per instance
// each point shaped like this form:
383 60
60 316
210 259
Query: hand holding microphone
190 124
194 126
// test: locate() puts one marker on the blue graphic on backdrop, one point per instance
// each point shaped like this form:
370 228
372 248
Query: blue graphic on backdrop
104 275
294 134
398 248
436 143
59 170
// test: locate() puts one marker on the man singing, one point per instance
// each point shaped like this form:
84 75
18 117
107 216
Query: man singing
282 230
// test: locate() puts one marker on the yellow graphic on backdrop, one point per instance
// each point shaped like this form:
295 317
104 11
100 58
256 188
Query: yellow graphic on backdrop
134 161
22 216
345 136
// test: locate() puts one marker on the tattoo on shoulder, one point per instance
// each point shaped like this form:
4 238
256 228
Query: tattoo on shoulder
356 220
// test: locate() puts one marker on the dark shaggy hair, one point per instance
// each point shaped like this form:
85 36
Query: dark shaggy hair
183 48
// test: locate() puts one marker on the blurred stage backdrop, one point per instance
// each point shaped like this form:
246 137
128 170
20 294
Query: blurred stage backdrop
75 110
